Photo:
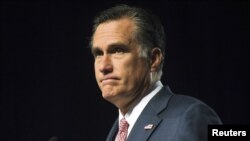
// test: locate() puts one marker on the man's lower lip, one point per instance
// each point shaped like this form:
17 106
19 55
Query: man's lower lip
108 81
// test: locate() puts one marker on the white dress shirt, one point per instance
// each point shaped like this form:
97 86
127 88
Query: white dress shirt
132 115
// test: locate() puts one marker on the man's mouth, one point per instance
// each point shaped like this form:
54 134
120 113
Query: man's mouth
108 80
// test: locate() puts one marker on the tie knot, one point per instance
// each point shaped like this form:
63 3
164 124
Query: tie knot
123 130
123 125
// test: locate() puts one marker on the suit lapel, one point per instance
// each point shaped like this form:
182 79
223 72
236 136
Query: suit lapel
149 120
139 133
112 134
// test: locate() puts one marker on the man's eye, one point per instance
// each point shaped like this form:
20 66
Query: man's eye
118 50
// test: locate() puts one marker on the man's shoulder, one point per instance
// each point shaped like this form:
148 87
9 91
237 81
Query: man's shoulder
179 105
185 100
179 99
184 118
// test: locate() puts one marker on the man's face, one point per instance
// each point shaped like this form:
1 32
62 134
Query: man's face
121 73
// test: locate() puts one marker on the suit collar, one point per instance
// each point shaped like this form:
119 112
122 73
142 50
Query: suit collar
149 117
160 101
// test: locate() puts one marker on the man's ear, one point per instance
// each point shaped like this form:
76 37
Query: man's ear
156 59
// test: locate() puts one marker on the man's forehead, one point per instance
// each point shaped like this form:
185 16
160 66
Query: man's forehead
114 31
123 25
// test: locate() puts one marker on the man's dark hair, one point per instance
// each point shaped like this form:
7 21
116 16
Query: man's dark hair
149 30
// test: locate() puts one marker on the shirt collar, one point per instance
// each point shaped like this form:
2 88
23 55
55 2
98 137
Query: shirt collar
132 115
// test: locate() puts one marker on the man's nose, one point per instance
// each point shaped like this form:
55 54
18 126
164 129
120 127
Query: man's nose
106 64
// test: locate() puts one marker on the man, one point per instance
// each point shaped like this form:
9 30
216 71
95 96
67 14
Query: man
128 45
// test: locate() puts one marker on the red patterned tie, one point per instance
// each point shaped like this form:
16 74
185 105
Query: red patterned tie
123 130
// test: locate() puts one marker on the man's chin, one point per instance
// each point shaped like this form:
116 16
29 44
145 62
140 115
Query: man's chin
108 95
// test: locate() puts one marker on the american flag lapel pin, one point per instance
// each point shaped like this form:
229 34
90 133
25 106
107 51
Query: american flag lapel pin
149 126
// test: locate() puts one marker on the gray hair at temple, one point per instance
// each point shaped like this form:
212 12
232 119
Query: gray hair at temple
149 32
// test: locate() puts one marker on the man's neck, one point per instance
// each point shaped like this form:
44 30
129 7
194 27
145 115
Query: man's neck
136 100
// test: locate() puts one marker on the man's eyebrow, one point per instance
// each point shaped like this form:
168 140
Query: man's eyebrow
120 45
95 49
110 47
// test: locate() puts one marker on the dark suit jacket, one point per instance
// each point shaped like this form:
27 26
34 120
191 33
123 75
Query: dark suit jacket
174 118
